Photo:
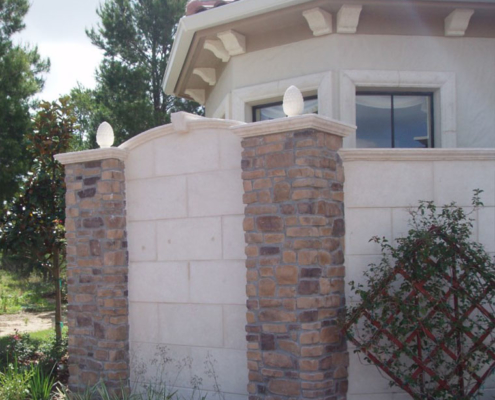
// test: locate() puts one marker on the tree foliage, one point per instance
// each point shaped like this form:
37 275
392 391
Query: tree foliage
33 227
425 316
136 37
21 70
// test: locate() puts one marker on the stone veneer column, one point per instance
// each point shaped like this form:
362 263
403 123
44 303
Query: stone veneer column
294 230
97 269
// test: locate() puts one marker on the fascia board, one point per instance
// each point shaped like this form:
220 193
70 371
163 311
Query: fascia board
188 26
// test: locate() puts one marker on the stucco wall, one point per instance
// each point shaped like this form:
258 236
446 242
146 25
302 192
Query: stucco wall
470 59
187 262
378 195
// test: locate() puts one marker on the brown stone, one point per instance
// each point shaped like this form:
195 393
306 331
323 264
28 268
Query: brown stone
277 316
302 232
330 334
281 192
86 193
92 222
269 251
255 209
309 365
271 148
274 328
272 359
279 160
284 387
270 224
286 275
267 287
314 351
307 257
264 197
307 287
274 238
310 337
249 175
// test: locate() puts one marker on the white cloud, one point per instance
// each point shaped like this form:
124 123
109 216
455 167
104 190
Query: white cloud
57 27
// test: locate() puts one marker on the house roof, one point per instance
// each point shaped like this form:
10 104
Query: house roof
255 20
197 6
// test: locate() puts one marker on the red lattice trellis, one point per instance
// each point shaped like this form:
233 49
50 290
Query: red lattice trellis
429 323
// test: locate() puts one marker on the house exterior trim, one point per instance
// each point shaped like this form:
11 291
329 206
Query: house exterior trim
442 82
300 122
349 155
322 83
91 155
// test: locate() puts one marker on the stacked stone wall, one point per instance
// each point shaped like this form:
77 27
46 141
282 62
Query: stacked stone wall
294 230
97 271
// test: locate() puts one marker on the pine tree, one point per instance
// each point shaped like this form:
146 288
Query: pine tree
136 37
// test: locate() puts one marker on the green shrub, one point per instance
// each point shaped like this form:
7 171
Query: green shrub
41 383
425 316
14 382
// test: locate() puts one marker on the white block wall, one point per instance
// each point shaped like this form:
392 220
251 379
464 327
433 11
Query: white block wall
377 197
186 249
187 262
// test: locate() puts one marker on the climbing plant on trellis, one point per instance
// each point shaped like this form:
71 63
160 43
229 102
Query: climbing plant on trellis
426 316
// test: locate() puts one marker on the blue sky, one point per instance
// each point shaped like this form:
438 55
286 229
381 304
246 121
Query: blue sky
57 28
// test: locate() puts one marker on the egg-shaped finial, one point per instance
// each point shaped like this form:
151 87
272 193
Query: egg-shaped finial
104 135
293 102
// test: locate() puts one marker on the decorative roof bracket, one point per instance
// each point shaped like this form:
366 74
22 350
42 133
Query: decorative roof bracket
457 22
207 74
234 42
348 18
320 21
217 48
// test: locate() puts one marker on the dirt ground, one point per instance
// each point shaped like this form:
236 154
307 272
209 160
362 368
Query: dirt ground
25 322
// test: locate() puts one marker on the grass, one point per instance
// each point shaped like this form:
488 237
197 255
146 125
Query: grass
25 294
44 336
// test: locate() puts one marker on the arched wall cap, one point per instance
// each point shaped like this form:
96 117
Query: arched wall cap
349 155
182 122
297 123
91 155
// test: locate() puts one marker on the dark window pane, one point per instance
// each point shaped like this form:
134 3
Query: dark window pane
374 121
412 121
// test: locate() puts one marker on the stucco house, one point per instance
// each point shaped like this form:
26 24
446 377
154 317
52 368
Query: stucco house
416 77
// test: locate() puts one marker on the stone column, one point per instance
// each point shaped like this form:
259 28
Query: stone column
294 230
97 268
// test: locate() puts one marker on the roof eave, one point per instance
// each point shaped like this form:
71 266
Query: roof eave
188 26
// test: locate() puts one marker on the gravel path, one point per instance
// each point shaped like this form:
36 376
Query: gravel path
25 322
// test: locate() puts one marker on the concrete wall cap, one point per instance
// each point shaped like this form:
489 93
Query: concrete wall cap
91 155
300 122
458 154
182 122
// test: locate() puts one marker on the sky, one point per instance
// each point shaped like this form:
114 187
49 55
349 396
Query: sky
57 27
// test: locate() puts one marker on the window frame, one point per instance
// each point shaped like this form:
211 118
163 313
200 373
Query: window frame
443 85
393 93
275 103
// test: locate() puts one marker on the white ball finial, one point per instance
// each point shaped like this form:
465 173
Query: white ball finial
293 102
104 135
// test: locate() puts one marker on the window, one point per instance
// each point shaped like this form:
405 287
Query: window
274 110
397 120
